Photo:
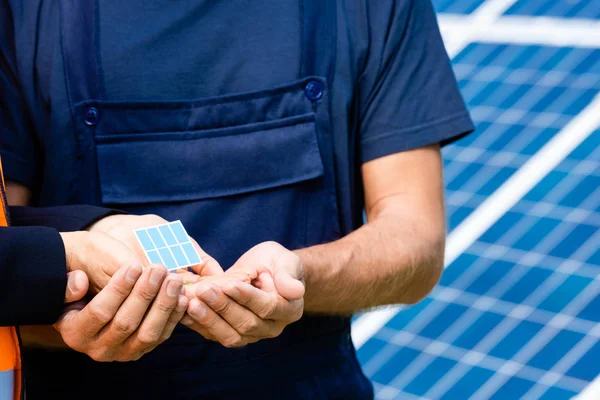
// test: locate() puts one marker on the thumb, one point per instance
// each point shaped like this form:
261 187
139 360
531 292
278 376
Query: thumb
77 286
287 285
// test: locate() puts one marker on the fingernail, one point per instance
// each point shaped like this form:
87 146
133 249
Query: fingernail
72 284
174 288
210 296
133 273
155 276
196 309
187 320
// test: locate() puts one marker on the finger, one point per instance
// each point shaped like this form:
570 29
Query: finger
188 277
288 284
210 321
104 306
175 317
77 286
209 266
150 331
243 320
267 305
130 314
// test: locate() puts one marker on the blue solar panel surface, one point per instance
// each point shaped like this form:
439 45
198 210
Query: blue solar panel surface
553 8
517 315
169 245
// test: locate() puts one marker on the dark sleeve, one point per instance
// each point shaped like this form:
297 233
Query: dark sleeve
33 276
409 97
19 146
63 219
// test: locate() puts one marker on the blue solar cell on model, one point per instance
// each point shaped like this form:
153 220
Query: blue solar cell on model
168 235
536 234
443 320
370 348
565 293
396 364
401 319
145 240
555 350
515 339
533 278
429 376
154 257
191 253
586 368
573 241
156 237
490 277
514 388
478 330
179 232
591 312
168 258
556 393
468 384
179 256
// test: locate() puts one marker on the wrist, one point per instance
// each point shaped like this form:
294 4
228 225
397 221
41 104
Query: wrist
72 241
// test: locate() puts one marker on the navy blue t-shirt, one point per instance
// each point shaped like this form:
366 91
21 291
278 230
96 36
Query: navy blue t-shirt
207 114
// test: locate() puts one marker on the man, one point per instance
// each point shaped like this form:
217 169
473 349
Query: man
266 126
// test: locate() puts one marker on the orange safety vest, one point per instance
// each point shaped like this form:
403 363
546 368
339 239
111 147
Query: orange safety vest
10 357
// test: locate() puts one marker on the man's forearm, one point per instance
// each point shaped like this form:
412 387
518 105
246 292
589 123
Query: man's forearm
392 260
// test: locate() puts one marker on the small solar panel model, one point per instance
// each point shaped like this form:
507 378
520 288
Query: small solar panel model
169 245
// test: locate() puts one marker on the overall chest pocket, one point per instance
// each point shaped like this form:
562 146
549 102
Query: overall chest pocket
258 162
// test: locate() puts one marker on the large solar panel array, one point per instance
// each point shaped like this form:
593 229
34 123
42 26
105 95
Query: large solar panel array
518 314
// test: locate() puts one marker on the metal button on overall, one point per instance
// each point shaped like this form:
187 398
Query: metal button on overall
314 90
91 116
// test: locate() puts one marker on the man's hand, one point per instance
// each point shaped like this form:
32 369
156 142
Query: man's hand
121 227
234 312
134 313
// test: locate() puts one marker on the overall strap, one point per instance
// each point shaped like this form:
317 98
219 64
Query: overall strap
319 24
84 83
81 54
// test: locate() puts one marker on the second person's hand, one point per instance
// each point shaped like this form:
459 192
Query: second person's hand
136 311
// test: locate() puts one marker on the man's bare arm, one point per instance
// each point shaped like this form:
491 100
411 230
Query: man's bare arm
397 257
17 194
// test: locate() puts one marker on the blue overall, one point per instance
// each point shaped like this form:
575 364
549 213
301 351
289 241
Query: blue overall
237 168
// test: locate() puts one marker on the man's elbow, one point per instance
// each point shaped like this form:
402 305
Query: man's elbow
427 270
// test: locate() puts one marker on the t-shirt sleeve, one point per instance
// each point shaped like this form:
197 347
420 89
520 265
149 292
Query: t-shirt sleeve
18 144
409 97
